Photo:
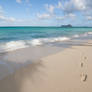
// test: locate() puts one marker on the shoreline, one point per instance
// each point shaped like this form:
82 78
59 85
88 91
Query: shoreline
15 60
54 73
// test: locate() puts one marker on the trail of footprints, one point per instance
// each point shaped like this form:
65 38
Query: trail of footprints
83 75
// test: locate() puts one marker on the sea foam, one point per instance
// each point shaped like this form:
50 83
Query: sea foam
90 33
14 45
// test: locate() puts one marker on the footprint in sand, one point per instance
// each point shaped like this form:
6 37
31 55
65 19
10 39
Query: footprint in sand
81 64
85 58
83 77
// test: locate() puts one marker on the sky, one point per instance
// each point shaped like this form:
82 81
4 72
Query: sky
45 12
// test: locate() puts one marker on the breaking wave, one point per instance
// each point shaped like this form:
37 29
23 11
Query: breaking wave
14 45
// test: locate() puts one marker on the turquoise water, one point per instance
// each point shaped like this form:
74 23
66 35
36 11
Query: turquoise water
14 37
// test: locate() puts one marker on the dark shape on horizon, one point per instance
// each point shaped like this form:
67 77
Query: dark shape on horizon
69 25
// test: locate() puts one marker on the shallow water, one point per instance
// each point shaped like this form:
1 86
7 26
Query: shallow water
12 38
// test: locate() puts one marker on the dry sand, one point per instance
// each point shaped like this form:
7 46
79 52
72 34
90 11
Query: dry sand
66 71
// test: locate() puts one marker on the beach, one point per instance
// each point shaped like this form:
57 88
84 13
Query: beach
46 46
68 70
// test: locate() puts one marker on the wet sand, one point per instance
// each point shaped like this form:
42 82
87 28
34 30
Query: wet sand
65 71
14 60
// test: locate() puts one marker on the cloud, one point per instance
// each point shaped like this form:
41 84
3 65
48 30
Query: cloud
60 17
89 17
26 2
49 13
72 6
1 10
60 5
19 1
79 4
75 5
50 8
7 19
43 16
70 15
83 7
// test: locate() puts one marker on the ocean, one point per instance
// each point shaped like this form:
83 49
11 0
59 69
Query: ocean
12 38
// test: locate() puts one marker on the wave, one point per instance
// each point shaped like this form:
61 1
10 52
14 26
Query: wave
90 33
82 35
76 36
87 33
35 42
41 41
14 45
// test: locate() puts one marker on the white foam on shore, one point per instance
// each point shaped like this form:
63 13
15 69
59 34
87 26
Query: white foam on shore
35 42
90 33
86 34
82 35
41 41
76 36
14 45
59 39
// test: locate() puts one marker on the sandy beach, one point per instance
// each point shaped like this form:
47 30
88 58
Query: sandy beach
65 71
46 46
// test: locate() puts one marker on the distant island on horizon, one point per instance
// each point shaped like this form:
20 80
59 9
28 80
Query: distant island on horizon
61 26
69 25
